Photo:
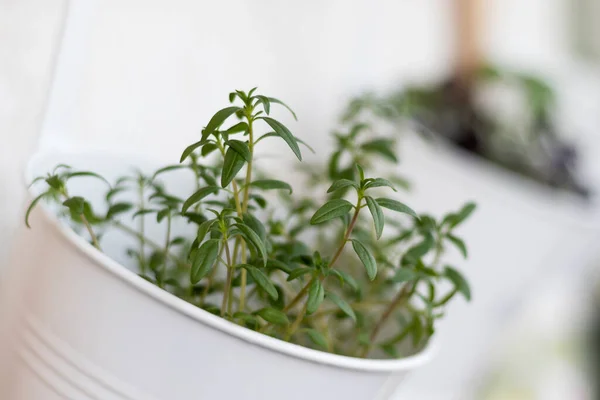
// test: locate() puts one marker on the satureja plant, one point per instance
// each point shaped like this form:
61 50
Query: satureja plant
253 258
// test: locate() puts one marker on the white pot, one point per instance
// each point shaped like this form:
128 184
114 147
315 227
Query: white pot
78 325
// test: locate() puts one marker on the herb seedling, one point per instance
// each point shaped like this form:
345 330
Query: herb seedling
373 283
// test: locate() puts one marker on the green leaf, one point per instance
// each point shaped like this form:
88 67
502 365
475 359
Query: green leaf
316 294
285 134
377 213
463 214
231 166
416 330
383 147
459 281
380 182
257 226
273 316
218 119
340 184
167 169
204 259
366 258
346 278
269 184
204 228
280 265
242 149
332 209
361 173
333 165
55 182
317 338
266 103
298 272
459 243
342 304
208 148
273 134
188 150
237 128
262 280
32 206
274 100
162 214
199 195
420 249
254 239
118 208
75 204
404 275
396 206
87 174
142 212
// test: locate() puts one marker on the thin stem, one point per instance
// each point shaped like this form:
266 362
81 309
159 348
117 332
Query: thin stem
142 229
167 246
149 242
249 168
229 277
242 304
90 231
294 327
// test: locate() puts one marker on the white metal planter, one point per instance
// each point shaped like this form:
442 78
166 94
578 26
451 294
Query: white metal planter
79 325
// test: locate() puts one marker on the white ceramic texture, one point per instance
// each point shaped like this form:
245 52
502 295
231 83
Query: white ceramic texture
78 325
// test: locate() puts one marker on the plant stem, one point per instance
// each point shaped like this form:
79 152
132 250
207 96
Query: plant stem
167 246
242 304
294 327
337 255
226 291
90 231
142 229
149 242
249 168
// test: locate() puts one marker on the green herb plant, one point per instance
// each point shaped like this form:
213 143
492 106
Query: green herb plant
351 271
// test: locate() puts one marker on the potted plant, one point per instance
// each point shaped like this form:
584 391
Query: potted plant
227 290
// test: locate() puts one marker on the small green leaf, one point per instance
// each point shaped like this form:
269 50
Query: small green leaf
237 128
396 206
380 182
273 134
342 304
86 174
274 100
265 102
420 249
377 213
346 279
276 264
188 150
55 182
332 209
32 206
204 260
218 119
273 316
162 214
204 228
199 195
118 208
232 164
298 272
463 214
361 173
459 281
254 239
317 338
285 134
208 148
366 258
262 280
256 225
167 169
142 212
333 165
75 204
269 184
404 275
340 184
316 294
242 149
459 243
383 147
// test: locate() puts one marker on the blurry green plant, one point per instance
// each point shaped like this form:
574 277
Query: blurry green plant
256 269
